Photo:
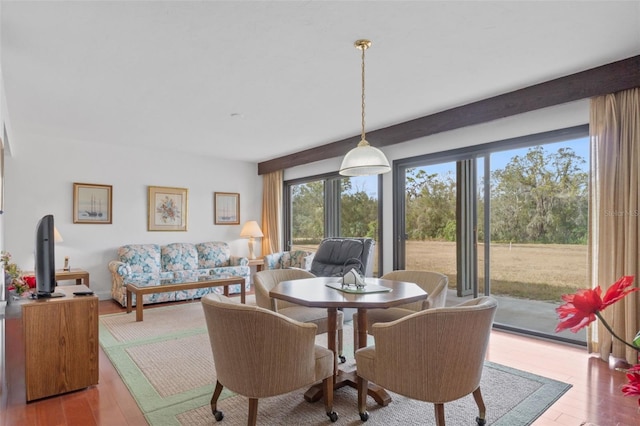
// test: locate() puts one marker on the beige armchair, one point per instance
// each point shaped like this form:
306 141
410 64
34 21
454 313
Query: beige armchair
259 353
264 281
434 283
435 355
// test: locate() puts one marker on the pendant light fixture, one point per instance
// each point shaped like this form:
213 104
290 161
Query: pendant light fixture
364 159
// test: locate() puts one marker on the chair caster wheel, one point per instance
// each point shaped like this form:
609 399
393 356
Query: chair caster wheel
333 416
218 415
364 416
342 359
481 422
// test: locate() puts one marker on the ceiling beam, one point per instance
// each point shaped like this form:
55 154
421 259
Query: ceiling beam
610 78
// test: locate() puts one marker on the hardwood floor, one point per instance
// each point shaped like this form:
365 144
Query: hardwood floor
594 399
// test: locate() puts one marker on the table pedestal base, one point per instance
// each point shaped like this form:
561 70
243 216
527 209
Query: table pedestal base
349 379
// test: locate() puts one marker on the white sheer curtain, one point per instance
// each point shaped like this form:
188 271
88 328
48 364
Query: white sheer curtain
614 243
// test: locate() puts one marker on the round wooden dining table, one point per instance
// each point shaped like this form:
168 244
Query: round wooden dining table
319 292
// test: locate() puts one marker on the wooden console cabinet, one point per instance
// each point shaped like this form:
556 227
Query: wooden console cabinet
61 343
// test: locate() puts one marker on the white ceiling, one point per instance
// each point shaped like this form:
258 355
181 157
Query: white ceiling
258 80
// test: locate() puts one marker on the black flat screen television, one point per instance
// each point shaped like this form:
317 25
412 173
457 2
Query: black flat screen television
45 259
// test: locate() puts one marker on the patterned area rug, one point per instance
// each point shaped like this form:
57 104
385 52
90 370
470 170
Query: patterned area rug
166 363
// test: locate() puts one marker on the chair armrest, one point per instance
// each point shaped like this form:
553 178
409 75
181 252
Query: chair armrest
307 261
437 297
119 268
238 261
272 260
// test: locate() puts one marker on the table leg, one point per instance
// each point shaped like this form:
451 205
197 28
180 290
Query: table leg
243 292
362 329
129 303
332 319
342 378
139 306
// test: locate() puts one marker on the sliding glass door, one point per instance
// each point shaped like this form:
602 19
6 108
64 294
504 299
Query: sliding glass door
307 215
331 206
539 224
506 219
429 231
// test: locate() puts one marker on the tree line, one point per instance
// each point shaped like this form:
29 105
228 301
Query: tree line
538 197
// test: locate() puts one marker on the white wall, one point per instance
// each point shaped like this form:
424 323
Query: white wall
39 180
553 118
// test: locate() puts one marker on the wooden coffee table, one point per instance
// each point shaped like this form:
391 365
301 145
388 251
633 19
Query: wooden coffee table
140 288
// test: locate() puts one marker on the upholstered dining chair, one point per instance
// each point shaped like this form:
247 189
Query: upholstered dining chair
259 353
436 355
434 283
264 281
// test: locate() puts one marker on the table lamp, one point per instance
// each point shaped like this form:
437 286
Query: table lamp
57 238
56 235
251 230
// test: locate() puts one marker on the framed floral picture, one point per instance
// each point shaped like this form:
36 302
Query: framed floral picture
226 208
167 209
92 203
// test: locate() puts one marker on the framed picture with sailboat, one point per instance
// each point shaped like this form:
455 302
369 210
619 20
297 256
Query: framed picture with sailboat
92 203
226 208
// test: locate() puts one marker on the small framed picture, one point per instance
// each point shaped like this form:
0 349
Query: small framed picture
92 203
167 209
226 208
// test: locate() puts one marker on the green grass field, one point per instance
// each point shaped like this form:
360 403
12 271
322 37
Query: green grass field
531 271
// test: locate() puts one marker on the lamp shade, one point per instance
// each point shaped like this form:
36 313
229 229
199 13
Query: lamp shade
364 160
57 238
251 229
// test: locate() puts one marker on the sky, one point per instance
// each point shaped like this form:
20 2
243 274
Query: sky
498 160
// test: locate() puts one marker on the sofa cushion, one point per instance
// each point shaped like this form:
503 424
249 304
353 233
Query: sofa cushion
179 257
145 278
191 275
213 254
289 259
142 258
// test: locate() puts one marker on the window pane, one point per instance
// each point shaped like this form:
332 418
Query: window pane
430 219
539 224
359 210
332 206
307 215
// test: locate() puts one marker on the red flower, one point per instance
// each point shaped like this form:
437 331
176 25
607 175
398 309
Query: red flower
633 387
581 308
30 280
618 290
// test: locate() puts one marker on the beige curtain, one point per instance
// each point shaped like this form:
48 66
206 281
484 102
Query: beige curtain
614 243
272 212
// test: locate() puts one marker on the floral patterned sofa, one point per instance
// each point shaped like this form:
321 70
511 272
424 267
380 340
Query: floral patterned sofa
289 259
152 262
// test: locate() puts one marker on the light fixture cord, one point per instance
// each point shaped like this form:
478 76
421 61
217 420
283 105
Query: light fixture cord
363 49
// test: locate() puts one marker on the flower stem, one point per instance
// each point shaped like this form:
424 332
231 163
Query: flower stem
614 334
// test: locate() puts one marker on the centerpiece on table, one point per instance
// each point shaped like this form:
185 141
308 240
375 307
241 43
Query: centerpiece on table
583 307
